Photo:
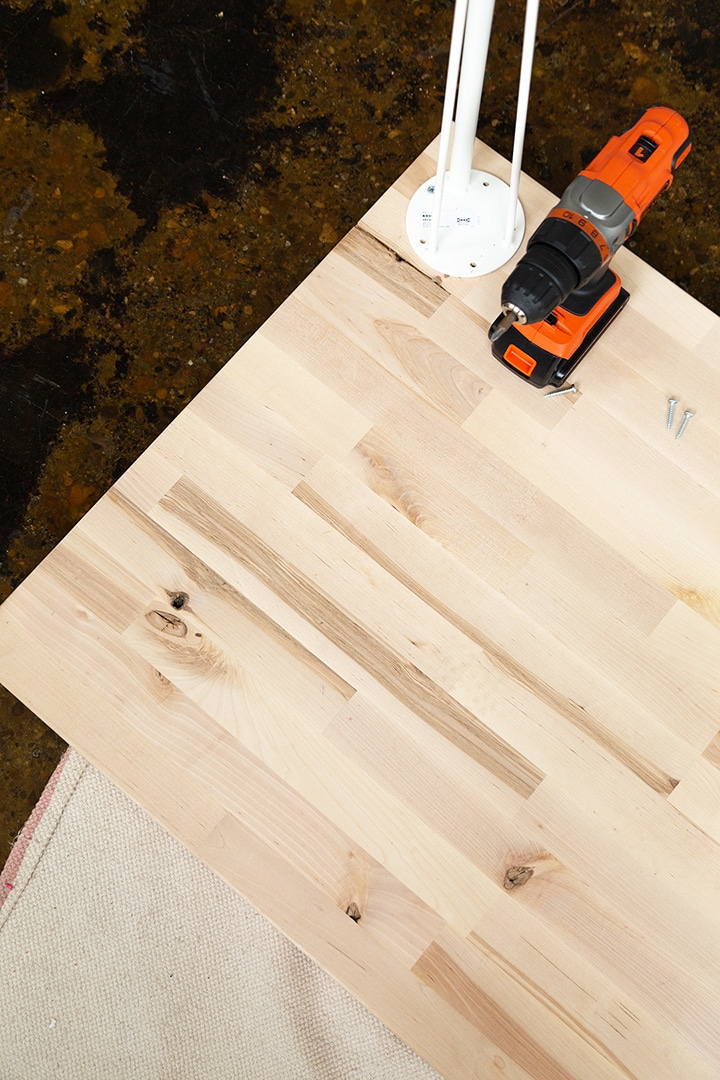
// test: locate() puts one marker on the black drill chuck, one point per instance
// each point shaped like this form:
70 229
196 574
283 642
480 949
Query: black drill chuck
560 258
542 280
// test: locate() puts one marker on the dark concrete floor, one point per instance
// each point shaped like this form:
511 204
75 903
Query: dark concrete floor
170 172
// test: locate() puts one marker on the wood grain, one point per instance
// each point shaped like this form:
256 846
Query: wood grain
426 665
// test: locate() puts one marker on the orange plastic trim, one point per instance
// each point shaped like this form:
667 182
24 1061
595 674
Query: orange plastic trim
519 360
639 181
567 334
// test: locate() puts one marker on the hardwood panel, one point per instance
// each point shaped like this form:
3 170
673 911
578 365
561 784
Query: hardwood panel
425 664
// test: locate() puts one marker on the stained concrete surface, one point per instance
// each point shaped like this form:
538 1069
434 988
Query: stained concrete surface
170 172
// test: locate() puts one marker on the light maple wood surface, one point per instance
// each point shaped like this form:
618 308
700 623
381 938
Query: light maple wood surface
425 664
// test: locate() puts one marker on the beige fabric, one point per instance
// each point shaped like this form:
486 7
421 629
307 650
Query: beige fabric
123 956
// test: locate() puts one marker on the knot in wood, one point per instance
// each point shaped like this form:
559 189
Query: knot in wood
353 911
516 876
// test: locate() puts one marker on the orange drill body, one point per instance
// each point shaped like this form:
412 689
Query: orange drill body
561 295
631 166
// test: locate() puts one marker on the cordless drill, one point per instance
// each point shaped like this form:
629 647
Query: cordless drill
562 294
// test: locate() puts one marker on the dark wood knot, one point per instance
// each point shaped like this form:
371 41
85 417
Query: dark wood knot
167 623
517 876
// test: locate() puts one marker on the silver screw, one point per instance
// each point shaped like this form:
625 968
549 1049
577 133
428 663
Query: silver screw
568 390
672 402
685 420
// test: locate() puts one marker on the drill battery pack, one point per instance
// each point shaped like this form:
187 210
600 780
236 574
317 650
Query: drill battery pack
545 353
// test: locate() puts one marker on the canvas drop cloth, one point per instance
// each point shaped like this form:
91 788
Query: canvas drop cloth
122 956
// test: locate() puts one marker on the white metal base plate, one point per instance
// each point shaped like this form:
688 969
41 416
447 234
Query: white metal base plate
471 240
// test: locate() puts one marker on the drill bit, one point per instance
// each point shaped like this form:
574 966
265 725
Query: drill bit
503 322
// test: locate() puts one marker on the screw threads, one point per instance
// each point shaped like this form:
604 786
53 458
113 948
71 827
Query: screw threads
567 390
685 421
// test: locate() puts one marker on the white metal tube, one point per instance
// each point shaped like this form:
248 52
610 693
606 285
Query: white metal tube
526 63
451 86
472 76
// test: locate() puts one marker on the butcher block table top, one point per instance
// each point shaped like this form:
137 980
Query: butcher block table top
426 664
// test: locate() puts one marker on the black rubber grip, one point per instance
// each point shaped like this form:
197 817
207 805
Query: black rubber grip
570 241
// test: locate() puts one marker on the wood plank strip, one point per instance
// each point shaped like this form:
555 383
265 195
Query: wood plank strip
535 959
689 645
283 734
286 402
396 342
697 796
437 1031
641 969
658 680
170 573
462 988
139 766
419 288
712 752
613 645
668 542
403 679
428 501
389 546
631 915
452 800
